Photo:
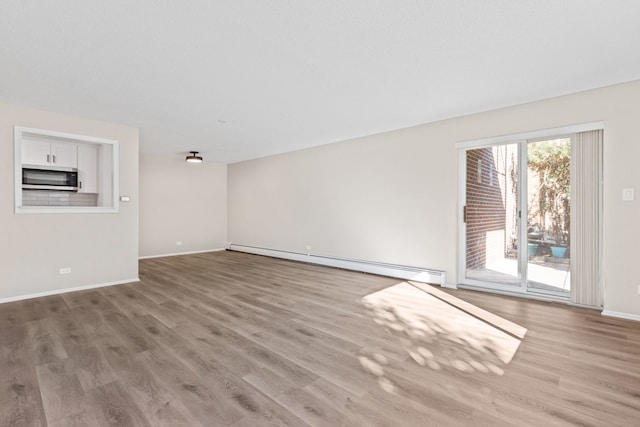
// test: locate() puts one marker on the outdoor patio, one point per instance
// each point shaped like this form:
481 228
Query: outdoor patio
545 273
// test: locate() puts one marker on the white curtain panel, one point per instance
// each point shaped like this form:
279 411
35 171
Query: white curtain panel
587 282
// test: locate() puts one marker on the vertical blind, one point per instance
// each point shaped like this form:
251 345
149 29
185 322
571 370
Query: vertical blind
587 283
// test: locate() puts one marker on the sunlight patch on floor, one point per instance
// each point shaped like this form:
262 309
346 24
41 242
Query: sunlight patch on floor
440 335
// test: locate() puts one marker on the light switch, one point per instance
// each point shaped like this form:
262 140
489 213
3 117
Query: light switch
628 194
125 198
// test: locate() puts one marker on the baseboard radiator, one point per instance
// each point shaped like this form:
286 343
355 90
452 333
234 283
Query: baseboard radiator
417 274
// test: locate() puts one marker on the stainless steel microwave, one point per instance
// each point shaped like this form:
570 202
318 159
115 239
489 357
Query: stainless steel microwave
49 178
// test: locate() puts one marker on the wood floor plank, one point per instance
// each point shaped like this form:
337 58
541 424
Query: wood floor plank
241 354
231 391
20 400
113 405
88 362
204 402
233 339
62 394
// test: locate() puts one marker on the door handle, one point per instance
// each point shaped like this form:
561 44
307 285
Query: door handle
81 185
54 158
48 158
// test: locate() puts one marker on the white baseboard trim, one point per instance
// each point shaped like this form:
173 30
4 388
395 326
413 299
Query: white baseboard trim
64 291
182 253
621 315
450 286
416 274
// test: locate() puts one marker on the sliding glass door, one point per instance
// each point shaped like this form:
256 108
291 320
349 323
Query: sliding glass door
515 216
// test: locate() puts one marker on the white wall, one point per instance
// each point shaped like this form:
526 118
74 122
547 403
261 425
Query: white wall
392 197
181 202
99 248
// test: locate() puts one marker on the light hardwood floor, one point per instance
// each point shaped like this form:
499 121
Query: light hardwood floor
228 338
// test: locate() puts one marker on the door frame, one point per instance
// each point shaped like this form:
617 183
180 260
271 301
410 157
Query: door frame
521 139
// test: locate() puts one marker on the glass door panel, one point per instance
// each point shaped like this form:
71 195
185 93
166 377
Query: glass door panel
548 209
491 215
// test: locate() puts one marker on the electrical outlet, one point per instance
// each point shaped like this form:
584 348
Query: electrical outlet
179 243
65 270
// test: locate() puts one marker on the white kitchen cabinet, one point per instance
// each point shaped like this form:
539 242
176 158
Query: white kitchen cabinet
45 153
36 153
64 154
87 168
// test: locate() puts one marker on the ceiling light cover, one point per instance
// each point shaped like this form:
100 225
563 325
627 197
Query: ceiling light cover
193 157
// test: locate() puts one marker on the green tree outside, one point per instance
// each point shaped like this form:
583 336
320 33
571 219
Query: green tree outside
550 160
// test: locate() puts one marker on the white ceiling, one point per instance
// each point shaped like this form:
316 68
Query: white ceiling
241 79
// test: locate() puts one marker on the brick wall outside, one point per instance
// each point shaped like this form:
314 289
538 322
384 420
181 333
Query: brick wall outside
491 204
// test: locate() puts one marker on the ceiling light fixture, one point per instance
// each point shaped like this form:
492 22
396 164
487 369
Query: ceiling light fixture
193 157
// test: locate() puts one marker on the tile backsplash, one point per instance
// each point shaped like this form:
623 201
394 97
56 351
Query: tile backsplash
58 198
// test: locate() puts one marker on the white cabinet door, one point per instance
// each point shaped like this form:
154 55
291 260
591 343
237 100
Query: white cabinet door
87 168
36 153
64 154
45 153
